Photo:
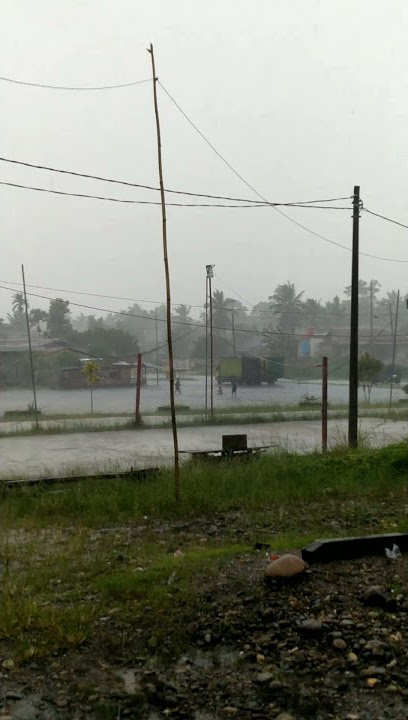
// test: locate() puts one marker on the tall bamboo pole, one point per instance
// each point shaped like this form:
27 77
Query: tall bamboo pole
30 350
167 276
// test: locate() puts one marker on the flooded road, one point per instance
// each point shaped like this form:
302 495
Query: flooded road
122 400
35 456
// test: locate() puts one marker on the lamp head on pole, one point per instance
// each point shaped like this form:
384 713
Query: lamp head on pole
209 269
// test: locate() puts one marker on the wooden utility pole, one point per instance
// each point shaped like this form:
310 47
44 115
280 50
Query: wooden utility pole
167 276
30 350
394 347
157 350
138 385
234 349
324 403
353 372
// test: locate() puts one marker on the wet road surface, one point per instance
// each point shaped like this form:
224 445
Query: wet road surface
35 456
122 400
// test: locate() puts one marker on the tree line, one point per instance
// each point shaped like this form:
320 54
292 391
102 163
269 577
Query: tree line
271 326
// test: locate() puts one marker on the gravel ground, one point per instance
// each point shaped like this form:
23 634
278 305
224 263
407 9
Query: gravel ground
298 650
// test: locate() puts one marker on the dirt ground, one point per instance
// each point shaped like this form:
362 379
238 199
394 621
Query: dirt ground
253 652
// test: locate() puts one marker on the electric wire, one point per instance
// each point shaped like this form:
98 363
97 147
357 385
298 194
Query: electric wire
258 314
108 198
383 217
91 88
254 190
67 346
88 176
248 331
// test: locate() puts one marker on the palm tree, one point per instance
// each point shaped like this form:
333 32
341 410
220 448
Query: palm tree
182 313
288 304
18 305
36 316
222 308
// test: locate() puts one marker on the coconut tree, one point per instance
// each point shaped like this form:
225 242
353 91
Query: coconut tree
18 305
287 303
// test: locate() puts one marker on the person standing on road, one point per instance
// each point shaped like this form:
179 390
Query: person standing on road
234 388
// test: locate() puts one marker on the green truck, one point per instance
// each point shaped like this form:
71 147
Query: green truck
250 370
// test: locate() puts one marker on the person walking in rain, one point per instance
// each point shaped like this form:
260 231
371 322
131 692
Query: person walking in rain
234 388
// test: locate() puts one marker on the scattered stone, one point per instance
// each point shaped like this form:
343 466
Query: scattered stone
207 637
229 710
61 702
7 664
286 566
263 678
372 671
12 695
392 688
311 625
374 596
377 648
284 716
275 685
153 642
339 644
346 623
372 682
352 658
260 658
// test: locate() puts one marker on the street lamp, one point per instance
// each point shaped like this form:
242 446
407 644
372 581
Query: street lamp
208 294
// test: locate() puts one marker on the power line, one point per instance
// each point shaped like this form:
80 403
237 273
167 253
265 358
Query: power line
47 86
254 190
383 217
107 198
323 313
67 346
248 331
101 178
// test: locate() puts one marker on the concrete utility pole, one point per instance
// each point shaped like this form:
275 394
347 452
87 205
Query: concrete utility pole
30 350
206 346
234 349
371 310
167 276
211 275
394 347
324 403
157 350
353 372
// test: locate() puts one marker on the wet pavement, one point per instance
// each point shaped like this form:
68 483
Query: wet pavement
33 456
122 400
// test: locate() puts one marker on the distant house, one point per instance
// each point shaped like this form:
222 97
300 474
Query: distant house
14 354
309 345
378 343
116 375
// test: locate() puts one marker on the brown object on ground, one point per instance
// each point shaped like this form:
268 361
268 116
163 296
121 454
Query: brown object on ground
286 566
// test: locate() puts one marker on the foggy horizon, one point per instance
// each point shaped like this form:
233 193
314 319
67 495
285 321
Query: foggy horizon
296 97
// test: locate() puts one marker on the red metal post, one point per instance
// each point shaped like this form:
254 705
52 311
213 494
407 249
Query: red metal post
324 404
138 384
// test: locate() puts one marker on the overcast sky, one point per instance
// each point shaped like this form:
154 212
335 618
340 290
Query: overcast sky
305 98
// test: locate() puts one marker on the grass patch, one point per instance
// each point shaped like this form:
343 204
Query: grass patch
93 564
208 487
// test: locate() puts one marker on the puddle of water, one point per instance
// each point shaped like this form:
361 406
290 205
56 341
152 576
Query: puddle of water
208 658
